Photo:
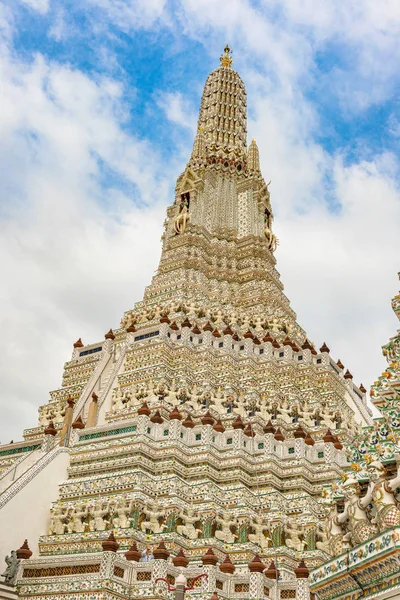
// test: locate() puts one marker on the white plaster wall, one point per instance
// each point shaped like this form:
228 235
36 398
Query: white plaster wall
27 514
19 468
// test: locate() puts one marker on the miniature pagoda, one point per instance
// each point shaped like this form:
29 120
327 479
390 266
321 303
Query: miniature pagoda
196 449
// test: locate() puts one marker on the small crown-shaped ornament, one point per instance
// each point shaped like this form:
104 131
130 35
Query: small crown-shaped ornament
226 59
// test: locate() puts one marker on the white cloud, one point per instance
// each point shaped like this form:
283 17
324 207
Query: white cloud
41 6
59 29
74 256
178 110
132 14
393 126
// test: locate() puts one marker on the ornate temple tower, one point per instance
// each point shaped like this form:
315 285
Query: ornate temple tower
199 436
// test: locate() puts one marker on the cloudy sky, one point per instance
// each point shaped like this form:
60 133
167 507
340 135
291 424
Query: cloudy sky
98 105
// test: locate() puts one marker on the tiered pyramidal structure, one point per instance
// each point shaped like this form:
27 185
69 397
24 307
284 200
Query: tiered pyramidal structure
192 446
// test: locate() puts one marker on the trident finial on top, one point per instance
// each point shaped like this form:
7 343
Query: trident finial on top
226 59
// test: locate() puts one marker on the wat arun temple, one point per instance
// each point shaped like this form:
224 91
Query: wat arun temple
206 448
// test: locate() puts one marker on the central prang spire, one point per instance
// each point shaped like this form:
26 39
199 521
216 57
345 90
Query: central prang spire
218 242
222 118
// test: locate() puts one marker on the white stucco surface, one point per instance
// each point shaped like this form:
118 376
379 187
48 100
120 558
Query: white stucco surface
26 515
19 468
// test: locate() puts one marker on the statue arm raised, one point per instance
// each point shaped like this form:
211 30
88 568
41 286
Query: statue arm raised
368 496
394 483
342 517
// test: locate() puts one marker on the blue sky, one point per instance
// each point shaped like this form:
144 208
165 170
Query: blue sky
148 61
99 105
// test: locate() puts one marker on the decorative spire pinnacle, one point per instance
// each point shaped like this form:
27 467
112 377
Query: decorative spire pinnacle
253 157
226 59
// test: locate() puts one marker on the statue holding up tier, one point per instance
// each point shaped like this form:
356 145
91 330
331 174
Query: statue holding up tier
152 524
118 403
360 527
181 221
381 493
294 537
78 516
225 534
122 511
188 529
337 539
59 521
259 537
100 511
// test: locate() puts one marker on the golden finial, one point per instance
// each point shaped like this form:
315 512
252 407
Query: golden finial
226 59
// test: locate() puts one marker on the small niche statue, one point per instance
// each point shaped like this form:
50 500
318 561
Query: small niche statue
270 237
10 574
181 220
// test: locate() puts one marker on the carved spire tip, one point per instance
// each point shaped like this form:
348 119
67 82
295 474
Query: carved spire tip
226 58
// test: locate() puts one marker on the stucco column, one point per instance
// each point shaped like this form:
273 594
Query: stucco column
65 431
302 585
92 414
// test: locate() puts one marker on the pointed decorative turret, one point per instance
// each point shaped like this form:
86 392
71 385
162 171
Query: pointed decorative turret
133 553
253 157
110 544
24 552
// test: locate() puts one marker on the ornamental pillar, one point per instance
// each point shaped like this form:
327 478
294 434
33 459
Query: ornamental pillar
248 346
302 585
324 356
66 428
227 342
160 563
256 580
273 574
109 555
299 448
92 414
77 349
143 418
209 560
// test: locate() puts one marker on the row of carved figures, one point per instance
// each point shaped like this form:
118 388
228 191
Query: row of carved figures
54 412
218 318
227 402
123 513
363 517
